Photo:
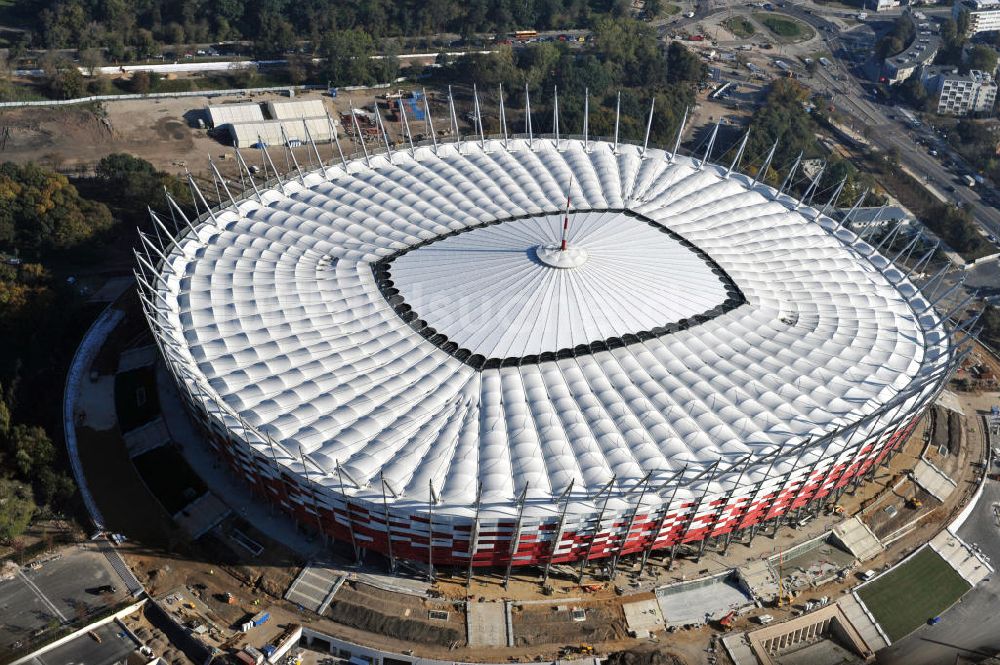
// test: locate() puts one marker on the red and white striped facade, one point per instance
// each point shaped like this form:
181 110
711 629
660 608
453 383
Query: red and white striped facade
381 349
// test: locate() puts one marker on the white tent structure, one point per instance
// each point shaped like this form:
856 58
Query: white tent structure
221 115
402 350
296 109
281 132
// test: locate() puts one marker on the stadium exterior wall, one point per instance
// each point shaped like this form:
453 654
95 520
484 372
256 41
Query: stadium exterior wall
498 542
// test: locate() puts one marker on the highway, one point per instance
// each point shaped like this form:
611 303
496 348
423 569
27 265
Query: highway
891 134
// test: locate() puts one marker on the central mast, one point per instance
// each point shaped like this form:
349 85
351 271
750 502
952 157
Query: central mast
565 229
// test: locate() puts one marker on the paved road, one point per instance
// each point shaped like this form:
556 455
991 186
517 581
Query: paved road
85 650
56 592
852 98
971 627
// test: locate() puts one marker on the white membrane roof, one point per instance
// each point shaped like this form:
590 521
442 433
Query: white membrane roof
489 293
275 310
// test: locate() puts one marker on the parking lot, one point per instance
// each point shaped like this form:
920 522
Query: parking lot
60 590
114 646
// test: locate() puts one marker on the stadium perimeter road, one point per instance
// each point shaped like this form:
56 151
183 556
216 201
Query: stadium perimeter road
972 626
57 591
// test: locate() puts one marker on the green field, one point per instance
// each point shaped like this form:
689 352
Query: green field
784 27
911 594
739 26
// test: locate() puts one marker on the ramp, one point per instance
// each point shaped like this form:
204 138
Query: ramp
486 625
855 537
315 587
933 480
643 617
863 622
148 437
966 561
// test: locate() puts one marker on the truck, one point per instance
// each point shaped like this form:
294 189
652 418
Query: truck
969 181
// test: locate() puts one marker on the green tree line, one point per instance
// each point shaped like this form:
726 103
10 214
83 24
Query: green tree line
138 27
46 225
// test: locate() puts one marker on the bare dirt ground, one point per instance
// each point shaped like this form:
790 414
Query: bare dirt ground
554 624
71 139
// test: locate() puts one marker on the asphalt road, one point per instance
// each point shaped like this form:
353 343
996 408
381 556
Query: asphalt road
57 591
972 626
851 98
85 650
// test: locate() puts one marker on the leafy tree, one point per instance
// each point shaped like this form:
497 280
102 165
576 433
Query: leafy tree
135 182
913 92
16 508
41 210
983 58
782 119
683 66
31 449
897 39
54 488
347 55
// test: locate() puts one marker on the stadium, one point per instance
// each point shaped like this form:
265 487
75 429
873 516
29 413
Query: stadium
539 350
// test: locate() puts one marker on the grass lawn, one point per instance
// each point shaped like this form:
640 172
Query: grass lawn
739 26
169 477
784 27
136 399
911 594
669 9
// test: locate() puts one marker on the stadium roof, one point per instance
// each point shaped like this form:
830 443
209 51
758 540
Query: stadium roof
399 321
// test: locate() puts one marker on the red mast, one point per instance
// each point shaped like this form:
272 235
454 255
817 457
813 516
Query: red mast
562 247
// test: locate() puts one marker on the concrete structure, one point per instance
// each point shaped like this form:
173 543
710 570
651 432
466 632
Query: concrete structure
854 536
984 15
920 53
703 356
933 480
974 93
643 617
882 5
773 642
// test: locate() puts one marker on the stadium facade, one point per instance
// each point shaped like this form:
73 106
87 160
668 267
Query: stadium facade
421 353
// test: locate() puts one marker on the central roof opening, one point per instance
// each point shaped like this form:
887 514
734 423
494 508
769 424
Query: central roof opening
506 293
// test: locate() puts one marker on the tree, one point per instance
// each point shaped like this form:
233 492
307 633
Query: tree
91 59
41 211
683 66
347 55
983 58
31 449
54 488
16 509
135 182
